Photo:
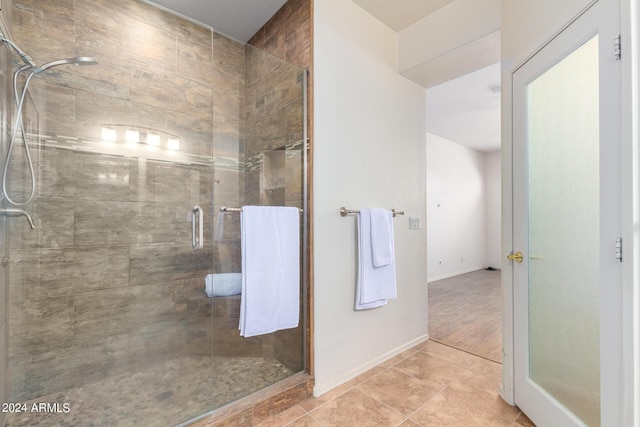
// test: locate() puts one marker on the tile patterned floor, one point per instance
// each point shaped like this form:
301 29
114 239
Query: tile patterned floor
429 385
162 394
465 312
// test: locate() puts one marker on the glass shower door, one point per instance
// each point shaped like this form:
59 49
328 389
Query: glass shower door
107 306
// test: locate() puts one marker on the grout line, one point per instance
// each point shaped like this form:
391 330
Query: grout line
296 419
464 351
333 398
432 397
382 403
315 419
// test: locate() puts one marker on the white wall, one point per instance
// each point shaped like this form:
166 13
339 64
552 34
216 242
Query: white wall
463 208
456 208
493 219
369 151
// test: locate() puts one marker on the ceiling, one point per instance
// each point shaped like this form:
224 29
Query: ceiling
399 14
466 110
241 19
463 110
238 19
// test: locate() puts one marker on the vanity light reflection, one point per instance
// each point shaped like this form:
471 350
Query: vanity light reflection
134 135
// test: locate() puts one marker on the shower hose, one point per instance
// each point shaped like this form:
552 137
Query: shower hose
19 123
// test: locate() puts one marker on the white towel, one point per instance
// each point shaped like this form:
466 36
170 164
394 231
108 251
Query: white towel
381 236
219 227
223 284
376 285
270 241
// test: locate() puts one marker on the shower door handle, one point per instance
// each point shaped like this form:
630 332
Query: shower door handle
197 232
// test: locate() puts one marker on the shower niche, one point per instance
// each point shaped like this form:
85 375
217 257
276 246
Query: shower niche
272 178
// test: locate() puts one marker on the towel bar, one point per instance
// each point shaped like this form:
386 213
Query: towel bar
226 209
344 212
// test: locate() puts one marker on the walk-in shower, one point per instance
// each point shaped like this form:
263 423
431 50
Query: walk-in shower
105 303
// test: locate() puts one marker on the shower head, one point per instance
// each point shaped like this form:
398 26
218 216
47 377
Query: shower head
79 60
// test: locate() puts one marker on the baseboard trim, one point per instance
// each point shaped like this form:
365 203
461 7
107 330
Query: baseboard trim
457 273
319 390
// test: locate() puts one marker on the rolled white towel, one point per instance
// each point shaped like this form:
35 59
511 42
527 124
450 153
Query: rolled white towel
223 284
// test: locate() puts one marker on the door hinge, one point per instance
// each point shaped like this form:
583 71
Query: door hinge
619 249
617 49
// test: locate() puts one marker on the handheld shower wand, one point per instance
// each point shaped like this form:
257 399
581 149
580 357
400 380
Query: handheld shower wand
35 70
78 60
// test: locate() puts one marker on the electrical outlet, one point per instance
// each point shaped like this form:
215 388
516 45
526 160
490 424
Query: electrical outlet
414 223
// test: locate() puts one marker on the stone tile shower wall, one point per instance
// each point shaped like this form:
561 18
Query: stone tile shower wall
6 107
108 282
287 35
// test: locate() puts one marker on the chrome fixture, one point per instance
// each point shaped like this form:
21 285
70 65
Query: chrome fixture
344 212
19 97
26 58
226 209
197 237
17 212
78 60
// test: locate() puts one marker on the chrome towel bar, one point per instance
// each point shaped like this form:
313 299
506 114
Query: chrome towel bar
344 212
226 209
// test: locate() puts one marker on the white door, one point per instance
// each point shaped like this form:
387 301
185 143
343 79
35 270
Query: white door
566 210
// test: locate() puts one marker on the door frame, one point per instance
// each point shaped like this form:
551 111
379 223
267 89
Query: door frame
624 408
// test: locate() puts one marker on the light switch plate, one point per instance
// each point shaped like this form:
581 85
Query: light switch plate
414 223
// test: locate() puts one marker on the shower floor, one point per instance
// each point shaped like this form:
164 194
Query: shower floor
161 395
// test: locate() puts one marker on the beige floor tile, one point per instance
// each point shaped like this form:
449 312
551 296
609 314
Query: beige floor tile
524 421
464 312
400 391
481 378
400 357
435 371
488 368
283 418
306 421
354 408
410 423
313 402
451 354
445 411
366 375
487 400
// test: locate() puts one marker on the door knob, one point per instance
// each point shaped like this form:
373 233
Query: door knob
517 257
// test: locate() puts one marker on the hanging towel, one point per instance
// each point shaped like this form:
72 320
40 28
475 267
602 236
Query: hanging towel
223 284
375 285
270 246
381 236
218 236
